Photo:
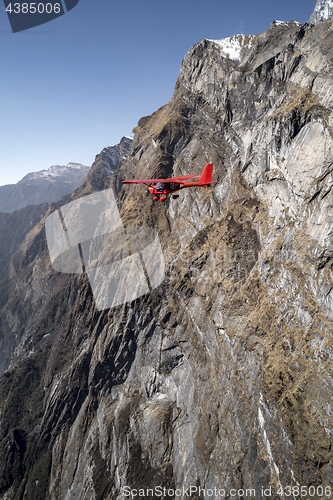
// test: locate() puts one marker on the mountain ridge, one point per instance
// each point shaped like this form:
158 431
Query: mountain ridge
53 172
41 187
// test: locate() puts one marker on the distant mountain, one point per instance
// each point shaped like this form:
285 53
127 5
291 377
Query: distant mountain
322 11
44 186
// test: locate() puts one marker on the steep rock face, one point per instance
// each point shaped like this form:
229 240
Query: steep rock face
323 11
14 227
47 186
29 305
222 376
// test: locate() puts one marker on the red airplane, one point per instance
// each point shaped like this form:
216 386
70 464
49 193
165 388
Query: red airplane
162 187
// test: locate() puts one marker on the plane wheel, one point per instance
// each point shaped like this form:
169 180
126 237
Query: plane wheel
174 196
163 198
156 198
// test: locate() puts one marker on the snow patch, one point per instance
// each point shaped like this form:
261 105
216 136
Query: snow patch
232 46
284 23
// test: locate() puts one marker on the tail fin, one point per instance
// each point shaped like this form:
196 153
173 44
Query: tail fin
206 175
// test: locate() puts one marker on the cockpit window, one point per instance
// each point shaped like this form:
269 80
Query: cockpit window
160 186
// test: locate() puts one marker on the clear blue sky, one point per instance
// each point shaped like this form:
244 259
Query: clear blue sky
75 85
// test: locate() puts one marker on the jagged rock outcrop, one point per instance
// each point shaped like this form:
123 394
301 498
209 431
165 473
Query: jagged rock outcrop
47 186
323 11
222 376
104 166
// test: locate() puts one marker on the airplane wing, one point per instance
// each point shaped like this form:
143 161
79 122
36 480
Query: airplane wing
183 178
175 180
146 181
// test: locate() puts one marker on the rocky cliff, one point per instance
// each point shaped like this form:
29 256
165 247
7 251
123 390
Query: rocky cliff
221 377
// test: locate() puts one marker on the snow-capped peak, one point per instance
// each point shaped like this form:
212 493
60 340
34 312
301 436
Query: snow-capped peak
284 23
323 10
56 171
232 46
278 23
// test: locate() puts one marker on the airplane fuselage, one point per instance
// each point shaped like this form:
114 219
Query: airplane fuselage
162 194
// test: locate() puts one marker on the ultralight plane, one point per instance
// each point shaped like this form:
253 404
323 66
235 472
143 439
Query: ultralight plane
160 188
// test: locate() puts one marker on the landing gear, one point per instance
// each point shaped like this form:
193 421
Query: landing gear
164 196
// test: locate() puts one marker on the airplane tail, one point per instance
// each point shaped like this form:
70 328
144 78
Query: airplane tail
206 175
